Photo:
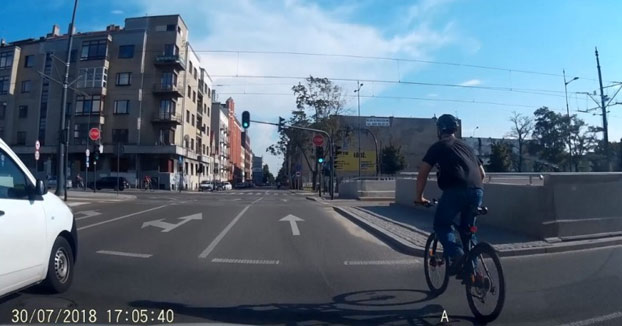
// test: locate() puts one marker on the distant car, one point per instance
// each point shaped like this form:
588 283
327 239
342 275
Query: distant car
110 183
227 186
38 235
206 186
52 182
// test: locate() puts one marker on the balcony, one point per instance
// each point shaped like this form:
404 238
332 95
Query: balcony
170 60
199 132
165 117
93 117
201 86
167 90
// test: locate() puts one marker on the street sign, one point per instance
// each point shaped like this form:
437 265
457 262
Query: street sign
36 155
87 152
37 145
318 140
94 134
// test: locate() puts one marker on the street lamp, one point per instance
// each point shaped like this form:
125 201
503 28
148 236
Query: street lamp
358 101
473 133
568 112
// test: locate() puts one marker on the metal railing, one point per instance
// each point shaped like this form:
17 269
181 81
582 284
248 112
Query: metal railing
530 178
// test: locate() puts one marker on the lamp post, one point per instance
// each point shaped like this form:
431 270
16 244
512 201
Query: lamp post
568 112
358 101
473 133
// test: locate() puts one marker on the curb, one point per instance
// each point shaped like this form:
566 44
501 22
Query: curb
75 197
407 247
392 240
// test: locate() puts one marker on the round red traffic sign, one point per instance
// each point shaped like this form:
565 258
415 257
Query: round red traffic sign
94 134
318 140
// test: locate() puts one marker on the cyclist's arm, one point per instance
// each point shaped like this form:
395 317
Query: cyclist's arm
482 172
422 178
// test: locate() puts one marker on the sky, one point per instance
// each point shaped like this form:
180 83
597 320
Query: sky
491 58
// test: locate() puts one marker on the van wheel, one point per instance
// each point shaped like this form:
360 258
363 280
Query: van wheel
60 267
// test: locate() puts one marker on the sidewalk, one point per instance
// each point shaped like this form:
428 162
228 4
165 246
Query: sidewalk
77 195
407 229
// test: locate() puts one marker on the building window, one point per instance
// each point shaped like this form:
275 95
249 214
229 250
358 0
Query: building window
121 107
4 85
190 70
193 119
26 86
29 61
126 51
120 136
170 49
21 138
86 106
3 106
169 80
124 79
94 50
186 168
167 109
6 60
167 137
23 111
187 116
189 91
171 27
93 77
194 96
195 73
192 144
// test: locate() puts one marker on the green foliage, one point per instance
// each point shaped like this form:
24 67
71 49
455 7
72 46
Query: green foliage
267 176
500 158
393 160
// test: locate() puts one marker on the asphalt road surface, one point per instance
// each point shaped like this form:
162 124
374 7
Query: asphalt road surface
271 257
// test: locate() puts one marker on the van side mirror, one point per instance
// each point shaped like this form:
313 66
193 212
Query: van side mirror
40 188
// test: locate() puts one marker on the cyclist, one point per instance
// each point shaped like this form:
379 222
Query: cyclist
460 176
146 182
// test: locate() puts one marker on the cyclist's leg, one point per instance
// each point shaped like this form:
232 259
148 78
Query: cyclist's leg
446 210
467 218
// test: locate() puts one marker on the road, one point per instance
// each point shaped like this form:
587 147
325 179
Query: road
272 257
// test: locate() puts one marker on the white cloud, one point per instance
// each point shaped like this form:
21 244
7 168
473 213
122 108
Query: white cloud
117 12
296 26
471 82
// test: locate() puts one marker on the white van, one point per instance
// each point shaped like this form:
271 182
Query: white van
38 237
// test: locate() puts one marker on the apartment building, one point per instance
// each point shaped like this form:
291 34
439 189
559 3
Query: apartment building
247 162
141 84
219 138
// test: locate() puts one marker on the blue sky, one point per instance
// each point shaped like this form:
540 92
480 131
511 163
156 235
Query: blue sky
540 36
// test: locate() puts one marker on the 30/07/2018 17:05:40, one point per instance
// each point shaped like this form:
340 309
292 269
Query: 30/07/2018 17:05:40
90 316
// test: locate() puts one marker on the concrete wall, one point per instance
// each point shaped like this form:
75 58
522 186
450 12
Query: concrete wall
357 189
567 205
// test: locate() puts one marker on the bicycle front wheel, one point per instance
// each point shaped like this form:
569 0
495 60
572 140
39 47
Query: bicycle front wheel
436 265
485 287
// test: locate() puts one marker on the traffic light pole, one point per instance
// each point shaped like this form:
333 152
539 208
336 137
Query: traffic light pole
330 144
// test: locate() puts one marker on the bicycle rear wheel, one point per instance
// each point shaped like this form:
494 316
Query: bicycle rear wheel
436 265
485 288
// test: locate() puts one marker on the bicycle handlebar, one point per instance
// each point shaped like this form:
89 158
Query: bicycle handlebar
482 210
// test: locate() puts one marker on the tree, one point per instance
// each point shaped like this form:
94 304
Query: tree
550 135
318 100
522 129
500 158
392 160
267 176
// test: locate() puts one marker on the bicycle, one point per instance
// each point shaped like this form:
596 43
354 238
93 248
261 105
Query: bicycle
147 185
480 286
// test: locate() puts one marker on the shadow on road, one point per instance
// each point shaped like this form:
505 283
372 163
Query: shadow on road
375 307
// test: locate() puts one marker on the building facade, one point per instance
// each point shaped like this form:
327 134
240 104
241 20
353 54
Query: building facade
257 170
220 140
141 85
247 163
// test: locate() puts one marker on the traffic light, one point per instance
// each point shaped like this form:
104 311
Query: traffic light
281 124
246 119
96 153
319 154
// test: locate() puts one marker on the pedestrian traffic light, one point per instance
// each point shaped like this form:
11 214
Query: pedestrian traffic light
319 154
281 124
246 119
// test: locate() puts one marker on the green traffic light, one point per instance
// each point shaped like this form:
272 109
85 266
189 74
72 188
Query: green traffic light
320 160
245 125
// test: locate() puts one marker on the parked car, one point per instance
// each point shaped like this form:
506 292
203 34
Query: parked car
206 186
52 182
110 183
38 236
227 186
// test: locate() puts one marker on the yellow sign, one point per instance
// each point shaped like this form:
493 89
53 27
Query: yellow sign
348 161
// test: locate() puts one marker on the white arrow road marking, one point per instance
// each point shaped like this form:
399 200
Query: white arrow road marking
120 218
87 214
167 227
292 222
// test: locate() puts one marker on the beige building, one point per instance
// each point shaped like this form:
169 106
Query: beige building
141 84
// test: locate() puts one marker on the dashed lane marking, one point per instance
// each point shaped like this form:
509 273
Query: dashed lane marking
77 203
382 262
245 261
124 254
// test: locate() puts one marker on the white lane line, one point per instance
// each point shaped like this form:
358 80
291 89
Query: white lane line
124 254
86 214
120 218
382 262
595 320
245 261
222 234
77 203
